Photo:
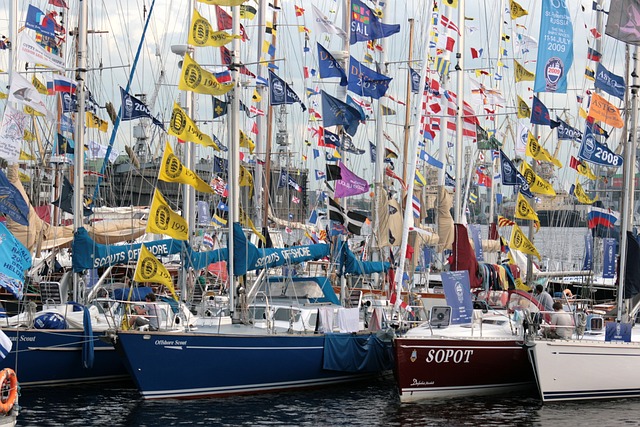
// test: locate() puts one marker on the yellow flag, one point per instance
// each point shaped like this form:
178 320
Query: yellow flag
451 3
246 142
28 136
94 121
256 96
538 152
419 179
524 209
150 269
524 112
24 177
521 73
3 95
201 33
223 2
581 195
520 242
184 128
32 112
537 184
583 113
604 111
246 221
583 169
247 12
516 10
171 170
246 179
195 79
26 156
163 220
40 87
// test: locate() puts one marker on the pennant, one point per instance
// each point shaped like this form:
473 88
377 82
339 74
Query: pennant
59 3
201 33
184 128
96 122
521 73
172 170
40 87
589 74
524 209
622 23
430 159
582 168
132 108
516 10
196 79
324 25
150 269
223 2
602 110
280 93
523 109
592 151
246 179
520 242
581 195
329 67
556 56
610 83
246 142
536 184
363 81
567 132
336 112
540 114
98 151
365 24
246 221
538 152
163 220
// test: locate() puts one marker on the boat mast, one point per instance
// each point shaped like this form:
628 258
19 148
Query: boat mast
407 109
457 207
78 179
261 196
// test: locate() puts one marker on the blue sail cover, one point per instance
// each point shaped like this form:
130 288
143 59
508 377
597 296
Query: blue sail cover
357 353
349 264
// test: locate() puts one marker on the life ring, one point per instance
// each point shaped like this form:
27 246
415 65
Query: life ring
9 379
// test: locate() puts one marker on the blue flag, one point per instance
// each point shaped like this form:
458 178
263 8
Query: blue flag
336 112
66 124
431 160
609 82
592 151
354 104
364 81
555 55
457 292
415 80
540 114
281 93
17 260
12 204
449 181
508 170
329 67
587 263
610 251
132 108
365 25
567 132
220 165
39 21
69 102
330 139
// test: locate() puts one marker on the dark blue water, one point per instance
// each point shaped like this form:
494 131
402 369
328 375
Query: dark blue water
367 404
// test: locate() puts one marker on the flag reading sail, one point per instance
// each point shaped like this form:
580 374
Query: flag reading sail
365 24
364 81
163 220
555 55
150 269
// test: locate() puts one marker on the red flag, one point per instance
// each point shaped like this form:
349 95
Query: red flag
59 3
391 174
225 22
299 10
595 33
254 128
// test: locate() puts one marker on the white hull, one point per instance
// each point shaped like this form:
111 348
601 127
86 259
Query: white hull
582 369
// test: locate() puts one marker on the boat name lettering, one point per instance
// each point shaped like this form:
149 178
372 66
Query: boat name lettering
29 339
446 356
167 342
418 383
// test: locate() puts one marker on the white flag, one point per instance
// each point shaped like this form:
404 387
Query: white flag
23 92
523 138
30 51
98 151
524 43
324 25
12 133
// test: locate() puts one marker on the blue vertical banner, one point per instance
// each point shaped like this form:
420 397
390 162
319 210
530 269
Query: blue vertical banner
588 252
555 48
476 235
457 292
610 252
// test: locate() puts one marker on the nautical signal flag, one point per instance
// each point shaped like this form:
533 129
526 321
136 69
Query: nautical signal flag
505 222
150 269
589 74
516 10
163 220
593 55
473 198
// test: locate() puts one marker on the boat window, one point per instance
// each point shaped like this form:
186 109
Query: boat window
313 320
284 314
258 313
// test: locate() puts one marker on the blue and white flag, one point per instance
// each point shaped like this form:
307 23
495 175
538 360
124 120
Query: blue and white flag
12 204
415 204
609 82
16 259
66 123
508 170
555 54
329 67
132 108
449 181
594 152
222 206
610 251
336 112
365 24
430 159
587 264
476 235
320 175
352 103
567 132
415 80
220 165
280 93
204 217
69 102
457 292
364 81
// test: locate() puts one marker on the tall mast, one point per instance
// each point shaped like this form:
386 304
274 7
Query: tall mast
457 209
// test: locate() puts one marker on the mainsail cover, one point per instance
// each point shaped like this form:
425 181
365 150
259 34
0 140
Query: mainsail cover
463 256
445 220
349 264
632 271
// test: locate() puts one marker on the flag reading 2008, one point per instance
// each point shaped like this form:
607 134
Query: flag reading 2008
555 52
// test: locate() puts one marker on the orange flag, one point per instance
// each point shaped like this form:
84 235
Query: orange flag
605 112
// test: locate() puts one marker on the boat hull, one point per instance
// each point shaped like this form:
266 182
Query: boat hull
580 370
436 367
47 357
193 365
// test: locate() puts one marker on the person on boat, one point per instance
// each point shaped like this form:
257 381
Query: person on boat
543 297
561 323
146 314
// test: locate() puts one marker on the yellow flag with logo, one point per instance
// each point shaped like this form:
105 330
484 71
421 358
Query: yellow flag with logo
524 112
246 142
201 33
40 87
524 209
28 136
256 96
583 168
223 2
537 184
246 221
451 3
538 152
26 156
163 220
96 122
30 111
516 10
150 269
172 170
184 128
24 177
246 179
521 73
520 242
581 195
196 79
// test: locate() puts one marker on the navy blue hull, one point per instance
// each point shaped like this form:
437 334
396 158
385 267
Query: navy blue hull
49 357
166 365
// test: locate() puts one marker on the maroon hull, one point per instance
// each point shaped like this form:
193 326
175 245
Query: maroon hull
441 367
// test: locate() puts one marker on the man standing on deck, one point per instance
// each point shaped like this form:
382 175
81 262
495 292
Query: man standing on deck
544 298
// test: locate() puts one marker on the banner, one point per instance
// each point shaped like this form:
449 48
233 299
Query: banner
457 292
329 67
555 53
365 24
16 261
12 129
133 108
622 23
364 81
184 128
476 235
201 33
610 83
349 184
587 263
610 250
150 269
336 112
172 170
204 216
23 93
196 79
567 132
30 51
594 152
520 242
163 220
602 110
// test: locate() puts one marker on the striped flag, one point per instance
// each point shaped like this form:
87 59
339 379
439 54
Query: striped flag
505 222
416 207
